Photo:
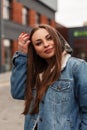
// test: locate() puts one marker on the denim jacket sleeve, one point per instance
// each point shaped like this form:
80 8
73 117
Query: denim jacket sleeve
18 75
80 73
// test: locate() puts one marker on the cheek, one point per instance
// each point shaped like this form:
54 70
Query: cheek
38 50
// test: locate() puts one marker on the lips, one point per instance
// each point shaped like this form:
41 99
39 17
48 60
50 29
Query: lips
48 50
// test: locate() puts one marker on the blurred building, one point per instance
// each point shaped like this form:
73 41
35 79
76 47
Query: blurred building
77 37
18 16
85 23
63 30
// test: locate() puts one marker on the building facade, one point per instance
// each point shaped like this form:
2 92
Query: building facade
18 16
77 37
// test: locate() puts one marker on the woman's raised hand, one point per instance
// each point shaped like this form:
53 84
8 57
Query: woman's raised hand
23 42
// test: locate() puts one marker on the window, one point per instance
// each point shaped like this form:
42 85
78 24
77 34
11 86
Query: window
7 54
6 9
25 16
49 21
37 18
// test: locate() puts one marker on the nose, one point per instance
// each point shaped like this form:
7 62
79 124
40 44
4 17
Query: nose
46 44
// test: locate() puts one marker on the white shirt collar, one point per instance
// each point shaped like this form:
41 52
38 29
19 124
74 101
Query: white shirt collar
65 58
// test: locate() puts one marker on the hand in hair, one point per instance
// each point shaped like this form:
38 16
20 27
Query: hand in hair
23 42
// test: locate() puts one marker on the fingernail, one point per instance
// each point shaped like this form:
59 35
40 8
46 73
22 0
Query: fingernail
23 32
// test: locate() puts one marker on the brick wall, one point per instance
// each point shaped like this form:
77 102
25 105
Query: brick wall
53 23
14 47
43 19
17 12
32 18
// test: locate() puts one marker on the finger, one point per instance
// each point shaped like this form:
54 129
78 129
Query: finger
25 35
26 39
23 38
21 34
27 43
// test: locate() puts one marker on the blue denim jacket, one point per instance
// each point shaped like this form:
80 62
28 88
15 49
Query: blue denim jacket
64 106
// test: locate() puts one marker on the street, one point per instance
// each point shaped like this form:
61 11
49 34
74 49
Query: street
10 109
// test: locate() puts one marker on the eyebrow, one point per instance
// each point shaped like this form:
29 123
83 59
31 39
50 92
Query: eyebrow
37 40
40 39
47 35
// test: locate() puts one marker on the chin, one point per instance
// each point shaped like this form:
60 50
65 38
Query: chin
48 57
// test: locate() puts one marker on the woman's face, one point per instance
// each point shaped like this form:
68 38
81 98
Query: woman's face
43 43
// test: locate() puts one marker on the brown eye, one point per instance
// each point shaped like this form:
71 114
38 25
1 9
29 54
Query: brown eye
38 43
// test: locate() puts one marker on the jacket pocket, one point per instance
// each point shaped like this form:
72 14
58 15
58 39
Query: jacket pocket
60 92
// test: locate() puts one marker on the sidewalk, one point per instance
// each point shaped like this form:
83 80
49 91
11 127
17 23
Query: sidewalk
10 109
4 78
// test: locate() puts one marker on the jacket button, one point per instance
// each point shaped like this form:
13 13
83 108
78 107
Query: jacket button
59 87
42 102
41 119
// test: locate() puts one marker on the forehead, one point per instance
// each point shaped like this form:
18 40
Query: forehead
41 32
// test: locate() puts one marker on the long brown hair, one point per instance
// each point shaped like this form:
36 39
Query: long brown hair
37 65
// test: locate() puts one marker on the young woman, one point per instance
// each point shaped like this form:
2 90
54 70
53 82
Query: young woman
51 81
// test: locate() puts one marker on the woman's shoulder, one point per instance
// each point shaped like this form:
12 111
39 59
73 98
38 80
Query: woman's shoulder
75 62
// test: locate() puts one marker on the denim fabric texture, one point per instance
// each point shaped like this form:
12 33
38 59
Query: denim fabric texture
64 106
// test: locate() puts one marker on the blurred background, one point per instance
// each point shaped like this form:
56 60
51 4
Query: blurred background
20 15
72 13
69 17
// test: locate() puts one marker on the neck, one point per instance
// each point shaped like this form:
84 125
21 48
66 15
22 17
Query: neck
51 60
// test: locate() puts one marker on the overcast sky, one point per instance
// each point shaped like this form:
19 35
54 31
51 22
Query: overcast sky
71 13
